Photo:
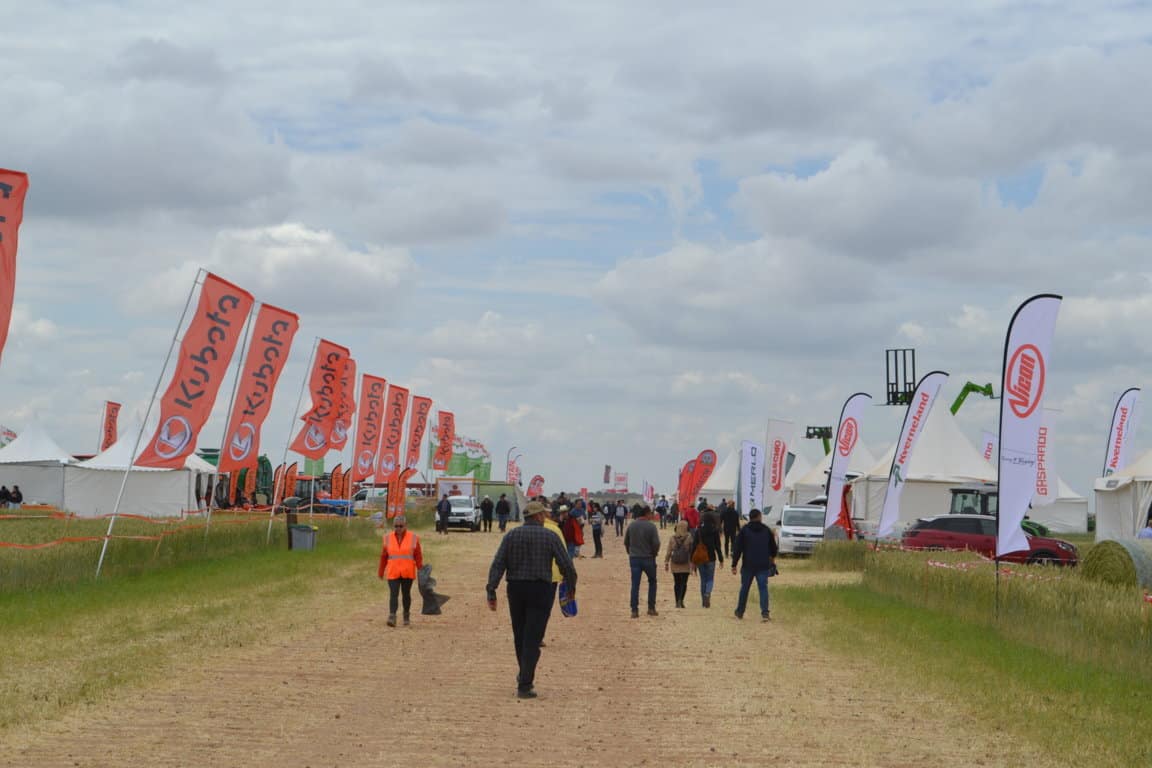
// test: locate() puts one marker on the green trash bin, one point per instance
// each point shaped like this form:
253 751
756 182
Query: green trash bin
303 537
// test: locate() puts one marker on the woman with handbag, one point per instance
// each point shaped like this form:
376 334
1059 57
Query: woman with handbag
706 552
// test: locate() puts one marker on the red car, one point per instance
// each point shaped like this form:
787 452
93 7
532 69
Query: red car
978 533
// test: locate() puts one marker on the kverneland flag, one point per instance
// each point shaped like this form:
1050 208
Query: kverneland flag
342 424
989 441
368 428
108 429
13 187
271 340
1120 436
205 354
324 384
914 420
777 444
701 471
446 436
1021 415
1046 490
847 436
750 482
417 423
392 439
535 486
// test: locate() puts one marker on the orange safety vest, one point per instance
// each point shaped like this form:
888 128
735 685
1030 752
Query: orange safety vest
401 556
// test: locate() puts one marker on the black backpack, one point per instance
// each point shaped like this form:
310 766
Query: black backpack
681 554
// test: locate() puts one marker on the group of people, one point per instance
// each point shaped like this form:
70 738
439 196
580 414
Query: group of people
10 499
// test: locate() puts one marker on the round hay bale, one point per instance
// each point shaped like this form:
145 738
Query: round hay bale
1122 562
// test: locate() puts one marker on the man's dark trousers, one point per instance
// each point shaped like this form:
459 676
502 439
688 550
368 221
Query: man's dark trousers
529 603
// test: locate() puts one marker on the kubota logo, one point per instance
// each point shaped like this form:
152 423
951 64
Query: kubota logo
779 453
849 434
1024 380
175 434
365 461
339 432
314 439
241 443
388 463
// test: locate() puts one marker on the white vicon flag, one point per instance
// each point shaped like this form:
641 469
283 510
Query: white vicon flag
989 442
847 436
1120 436
1021 415
1046 489
777 445
750 485
914 420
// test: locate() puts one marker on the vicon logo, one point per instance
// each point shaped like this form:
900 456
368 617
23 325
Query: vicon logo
1024 380
779 454
849 434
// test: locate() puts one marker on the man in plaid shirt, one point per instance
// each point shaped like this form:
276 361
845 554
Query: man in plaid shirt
526 555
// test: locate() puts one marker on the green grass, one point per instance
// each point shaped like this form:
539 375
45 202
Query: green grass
1073 708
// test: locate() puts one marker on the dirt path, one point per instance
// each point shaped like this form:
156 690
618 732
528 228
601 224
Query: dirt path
690 687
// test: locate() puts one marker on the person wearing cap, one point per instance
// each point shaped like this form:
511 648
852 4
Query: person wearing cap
642 540
526 557
400 559
572 531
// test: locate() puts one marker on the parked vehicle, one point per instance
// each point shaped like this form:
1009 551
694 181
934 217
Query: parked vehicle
371 498
464 512
801 528
978 534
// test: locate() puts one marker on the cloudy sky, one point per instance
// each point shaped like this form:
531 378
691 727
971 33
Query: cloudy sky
604 233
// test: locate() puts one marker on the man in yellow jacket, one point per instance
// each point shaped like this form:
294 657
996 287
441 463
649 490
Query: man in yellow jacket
400 559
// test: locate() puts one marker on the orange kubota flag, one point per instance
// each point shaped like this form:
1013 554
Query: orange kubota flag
13 187
205 354
417 422
108 430
446 435
336 482
398 492
290 480
324 384
278 485
372 389
392 439
271 339
250 485
342 425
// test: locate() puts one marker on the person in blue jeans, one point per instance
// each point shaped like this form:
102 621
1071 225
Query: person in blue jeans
709 533
756 544
642 540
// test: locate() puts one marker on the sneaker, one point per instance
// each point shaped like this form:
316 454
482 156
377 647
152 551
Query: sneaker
635 613
525 693
652 612
738 615
766 616
391 619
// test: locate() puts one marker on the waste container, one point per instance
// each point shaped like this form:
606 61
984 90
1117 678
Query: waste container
303 536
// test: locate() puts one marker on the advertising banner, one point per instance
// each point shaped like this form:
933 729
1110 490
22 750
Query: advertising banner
847 436
469 456
535 486
417 423
777 445
701 471
368 426
914 420
13 188
607 474
443 440
1046 489
342 424
620 484
1123 426
750 482
392 439
108 428
205 354
324 385
1025 379
989 443
684 487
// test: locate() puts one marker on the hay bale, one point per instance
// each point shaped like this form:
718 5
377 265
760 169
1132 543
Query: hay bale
1125 563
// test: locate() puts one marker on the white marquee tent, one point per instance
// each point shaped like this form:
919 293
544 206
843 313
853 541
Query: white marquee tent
1123 500
722 483
36 463
813 482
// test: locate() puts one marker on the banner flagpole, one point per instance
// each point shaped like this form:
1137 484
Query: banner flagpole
284 458
143 424
351 444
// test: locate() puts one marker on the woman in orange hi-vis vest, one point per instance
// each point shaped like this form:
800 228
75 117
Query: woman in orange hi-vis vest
400 559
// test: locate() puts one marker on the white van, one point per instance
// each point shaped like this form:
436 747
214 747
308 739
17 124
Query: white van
801 529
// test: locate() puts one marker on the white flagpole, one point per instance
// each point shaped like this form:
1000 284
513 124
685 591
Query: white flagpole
288 441
144 422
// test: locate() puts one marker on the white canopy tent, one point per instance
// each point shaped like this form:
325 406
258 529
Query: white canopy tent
35 462
813 483
1067 514
1123 499
722 483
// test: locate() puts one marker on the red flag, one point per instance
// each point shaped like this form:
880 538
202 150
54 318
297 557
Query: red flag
250 485
705 463
683 490
277 485
398 492
372 389
395 406
271 339
336 483
535 486
324 384
290 480
205 354
13 187
445 435
108 429
421 407
342 425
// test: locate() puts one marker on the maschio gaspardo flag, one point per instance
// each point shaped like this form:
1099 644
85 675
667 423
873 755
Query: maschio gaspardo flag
989 442
108 429
271 340
392 440
1046 490
1120 436
13 187
914 420
205 354
847 436
1021 415
368 428
446 435
417 423
750 484
324 384
777 443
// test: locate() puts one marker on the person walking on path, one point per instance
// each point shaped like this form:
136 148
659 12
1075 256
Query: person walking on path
503 511
756 544
400 559
709 535
662 512
642 541
486 508
621 513
552 524
730 522
443 510
596 518
678 560
572 531
527 555
692 517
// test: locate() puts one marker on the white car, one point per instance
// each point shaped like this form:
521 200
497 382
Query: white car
801 528
370 498
464 512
